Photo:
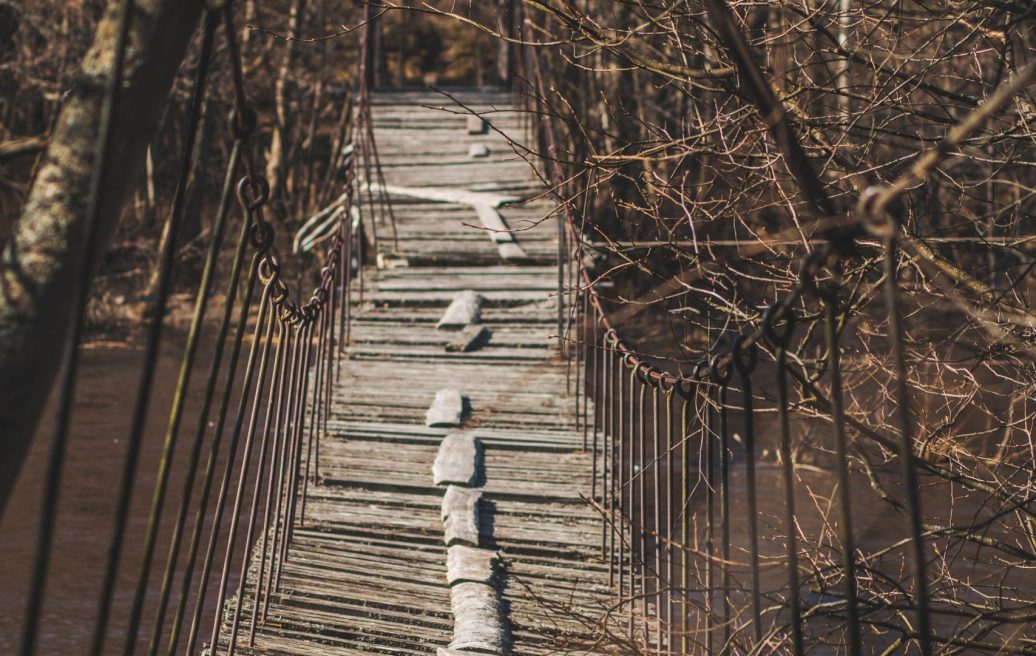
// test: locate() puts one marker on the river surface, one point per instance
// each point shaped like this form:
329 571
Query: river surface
109 375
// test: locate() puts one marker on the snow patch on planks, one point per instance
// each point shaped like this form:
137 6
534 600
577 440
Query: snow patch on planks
477 125
470 565
476 619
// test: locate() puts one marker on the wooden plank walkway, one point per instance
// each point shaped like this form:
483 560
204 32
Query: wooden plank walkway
367 572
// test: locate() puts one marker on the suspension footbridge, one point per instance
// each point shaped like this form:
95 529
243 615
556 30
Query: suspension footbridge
372 566
426 433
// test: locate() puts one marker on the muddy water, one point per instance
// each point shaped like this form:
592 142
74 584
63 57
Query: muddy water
880 532
107 386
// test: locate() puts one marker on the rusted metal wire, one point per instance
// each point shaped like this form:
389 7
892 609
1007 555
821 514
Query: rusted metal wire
778 328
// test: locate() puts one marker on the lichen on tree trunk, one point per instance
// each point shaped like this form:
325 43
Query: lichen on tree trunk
39 263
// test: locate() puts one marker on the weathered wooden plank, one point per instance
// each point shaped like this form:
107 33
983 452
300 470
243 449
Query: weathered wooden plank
459 461
494 224
468 339
457 196
447 409
460 510
415 298
392 261
465 309
477 125
511 251
476 619
470 565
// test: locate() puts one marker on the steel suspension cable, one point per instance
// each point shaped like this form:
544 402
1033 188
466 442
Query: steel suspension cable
243 128
260 237
203 424
154 338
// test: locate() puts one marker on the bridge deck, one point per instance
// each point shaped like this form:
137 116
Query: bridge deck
367 572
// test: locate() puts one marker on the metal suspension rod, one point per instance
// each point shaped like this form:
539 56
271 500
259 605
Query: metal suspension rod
907 458
778 328
845 524
207 397
269 527
246 551
710 521
721 371
235 516
273 405
314 416
608 457
685 525
656 491
282 464
299 423
744 363
670 481
154 337
221 495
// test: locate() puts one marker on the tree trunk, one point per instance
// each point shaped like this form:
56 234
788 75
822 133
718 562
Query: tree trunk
477 63
196 187
505 50
40 262
276 156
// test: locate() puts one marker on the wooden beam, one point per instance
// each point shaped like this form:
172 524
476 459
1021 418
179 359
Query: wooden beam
459 461
464 309
476 619
447 409
468 339
470 565
460 509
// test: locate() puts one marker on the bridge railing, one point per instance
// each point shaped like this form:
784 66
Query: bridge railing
214 548
682 542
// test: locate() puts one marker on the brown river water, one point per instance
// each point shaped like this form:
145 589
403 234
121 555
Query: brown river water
109 374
